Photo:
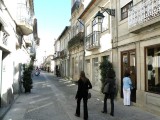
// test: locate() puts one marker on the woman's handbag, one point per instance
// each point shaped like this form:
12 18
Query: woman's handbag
106 88
89 95
132 86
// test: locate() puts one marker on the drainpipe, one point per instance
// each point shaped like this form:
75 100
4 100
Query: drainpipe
0 77
83 43
68 59
116 26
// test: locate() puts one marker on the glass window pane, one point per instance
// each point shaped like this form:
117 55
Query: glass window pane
153 70
105 24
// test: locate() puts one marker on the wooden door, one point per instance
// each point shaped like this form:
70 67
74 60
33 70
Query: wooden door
128 62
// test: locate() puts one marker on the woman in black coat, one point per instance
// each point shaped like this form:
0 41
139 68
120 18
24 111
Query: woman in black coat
83 86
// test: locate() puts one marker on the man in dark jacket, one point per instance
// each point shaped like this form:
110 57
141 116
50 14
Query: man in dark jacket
110 93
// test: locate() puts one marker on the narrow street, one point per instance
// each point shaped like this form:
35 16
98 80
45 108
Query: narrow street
53 98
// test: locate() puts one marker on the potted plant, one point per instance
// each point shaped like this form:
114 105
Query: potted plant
27 79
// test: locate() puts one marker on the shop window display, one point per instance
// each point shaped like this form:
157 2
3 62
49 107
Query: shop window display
153 70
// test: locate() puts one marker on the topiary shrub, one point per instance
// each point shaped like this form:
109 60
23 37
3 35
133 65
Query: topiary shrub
106 68
27 80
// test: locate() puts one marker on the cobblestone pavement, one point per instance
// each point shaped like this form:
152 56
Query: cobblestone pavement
52 98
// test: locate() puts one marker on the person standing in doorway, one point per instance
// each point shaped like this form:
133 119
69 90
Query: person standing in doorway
83 86
126 88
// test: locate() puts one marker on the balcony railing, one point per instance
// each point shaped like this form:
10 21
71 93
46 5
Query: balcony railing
63 53
24 19
143 12
57 54
75 6
76 40
5 38
92 41
5 44
28 40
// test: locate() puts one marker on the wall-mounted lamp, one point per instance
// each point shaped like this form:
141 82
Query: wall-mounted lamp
99 17
108 10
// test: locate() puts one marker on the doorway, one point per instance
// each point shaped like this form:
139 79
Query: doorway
95 72
72 72
128 62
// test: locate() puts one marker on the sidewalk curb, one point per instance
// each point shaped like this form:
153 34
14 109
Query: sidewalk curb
4 110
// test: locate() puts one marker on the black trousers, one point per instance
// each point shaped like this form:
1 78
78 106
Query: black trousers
85 108
111 97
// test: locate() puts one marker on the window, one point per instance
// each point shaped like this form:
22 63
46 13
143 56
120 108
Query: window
81 25
153 69
77 28
105 22
94 25
76 65
88 30
80 63
105 57
124 10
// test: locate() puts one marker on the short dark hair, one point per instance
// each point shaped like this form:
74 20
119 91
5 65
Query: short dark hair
126 74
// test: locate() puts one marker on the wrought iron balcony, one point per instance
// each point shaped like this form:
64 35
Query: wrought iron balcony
4 43
24 19
92 41
63 53
75 6
56 55
28 40
76 40
143 14
5 38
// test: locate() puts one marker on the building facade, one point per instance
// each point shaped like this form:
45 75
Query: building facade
76 43
128 36
18 38
137 50
98 39
56 57
62 54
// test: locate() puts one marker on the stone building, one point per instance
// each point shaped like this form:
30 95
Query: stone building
98 39
18 41
62 55
76 43
127 33
136 48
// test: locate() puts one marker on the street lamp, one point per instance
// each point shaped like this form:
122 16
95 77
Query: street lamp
111 12
99 17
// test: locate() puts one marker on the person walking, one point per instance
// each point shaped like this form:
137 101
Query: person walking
126 88
83 86
37 71
109 90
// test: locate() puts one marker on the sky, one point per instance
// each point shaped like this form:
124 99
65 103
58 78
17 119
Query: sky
52 17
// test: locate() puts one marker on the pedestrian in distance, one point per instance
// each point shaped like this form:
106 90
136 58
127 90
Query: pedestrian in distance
109 89
127 83
82 93
37 71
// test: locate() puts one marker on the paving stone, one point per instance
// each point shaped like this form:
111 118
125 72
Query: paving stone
53 98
